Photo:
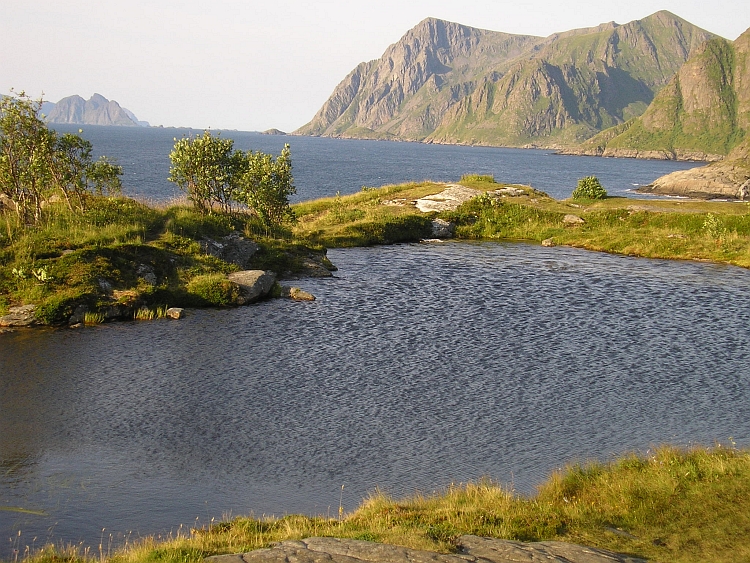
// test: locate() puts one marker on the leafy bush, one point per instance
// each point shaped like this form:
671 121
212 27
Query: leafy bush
589 188
213 289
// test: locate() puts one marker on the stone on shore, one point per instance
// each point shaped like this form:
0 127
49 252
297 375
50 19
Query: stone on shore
254 284
296 293
443 229
233 248
573 220
20 316
176 313
472 549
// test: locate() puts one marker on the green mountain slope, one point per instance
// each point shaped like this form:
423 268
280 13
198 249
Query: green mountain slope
701 114
448 83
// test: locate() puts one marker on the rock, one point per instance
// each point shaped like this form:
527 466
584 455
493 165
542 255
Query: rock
105 286
6 330
549 242
23 315
79 315
472 549
443 229
175 313
447 200
233 248
509 191
573 220
147 274
76 325
254 284
296 293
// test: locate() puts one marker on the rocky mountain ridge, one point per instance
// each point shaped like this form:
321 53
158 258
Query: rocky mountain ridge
448 83
702 114
97 110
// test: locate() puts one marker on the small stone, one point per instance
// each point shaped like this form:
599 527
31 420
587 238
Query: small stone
573 220
76 325
301 295
549 242
175 313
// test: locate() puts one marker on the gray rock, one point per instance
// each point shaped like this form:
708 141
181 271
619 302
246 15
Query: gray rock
443 229
233 248
549 242
147 274
105 286
79 315
472 549
448 200
7 203
573 220
23 315
175 313
254 284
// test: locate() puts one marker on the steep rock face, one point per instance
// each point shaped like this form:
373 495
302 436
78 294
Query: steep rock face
701 114
406 92
98 110
448 83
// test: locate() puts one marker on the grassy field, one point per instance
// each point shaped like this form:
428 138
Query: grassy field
677 229
667 506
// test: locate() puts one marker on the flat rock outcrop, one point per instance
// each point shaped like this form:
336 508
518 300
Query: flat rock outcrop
233 248
448 200
23 315
472 549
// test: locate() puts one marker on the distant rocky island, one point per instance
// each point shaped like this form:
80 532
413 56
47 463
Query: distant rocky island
97 110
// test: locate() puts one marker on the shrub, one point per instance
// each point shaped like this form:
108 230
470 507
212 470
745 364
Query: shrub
213 289
589 188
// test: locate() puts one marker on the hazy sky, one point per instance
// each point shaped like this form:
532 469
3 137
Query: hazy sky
253 65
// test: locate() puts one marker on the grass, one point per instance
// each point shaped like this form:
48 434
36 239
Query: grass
676 229
668 505
92 259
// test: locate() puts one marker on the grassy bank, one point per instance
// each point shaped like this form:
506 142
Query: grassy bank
676 229
667 506
120 253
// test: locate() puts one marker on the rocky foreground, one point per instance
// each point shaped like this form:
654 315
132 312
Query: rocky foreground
472 549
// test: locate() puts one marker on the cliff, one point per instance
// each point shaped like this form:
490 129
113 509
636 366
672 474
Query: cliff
448 83
702 114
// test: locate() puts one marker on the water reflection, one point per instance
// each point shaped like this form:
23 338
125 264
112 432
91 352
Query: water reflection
417 366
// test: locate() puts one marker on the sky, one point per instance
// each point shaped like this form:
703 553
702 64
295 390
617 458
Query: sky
254 65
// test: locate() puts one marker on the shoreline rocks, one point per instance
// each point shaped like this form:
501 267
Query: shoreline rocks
472 549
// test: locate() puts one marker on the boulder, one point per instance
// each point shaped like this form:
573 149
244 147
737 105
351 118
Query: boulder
233 248
147 274
79 315
175 313
254 284
549 242
472 549
23 315
443 229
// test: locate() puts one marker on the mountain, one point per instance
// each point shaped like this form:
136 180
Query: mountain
702 114
448 83
98 110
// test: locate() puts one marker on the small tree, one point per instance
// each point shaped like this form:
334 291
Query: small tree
265 186
206 168
589 188
35 162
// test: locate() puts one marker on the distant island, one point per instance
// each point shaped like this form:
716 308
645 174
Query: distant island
97 110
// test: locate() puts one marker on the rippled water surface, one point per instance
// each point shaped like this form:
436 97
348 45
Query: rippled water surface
417 366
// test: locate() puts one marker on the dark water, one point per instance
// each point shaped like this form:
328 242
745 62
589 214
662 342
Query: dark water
323 167
417 366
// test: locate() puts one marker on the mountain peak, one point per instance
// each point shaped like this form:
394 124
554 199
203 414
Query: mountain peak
97 110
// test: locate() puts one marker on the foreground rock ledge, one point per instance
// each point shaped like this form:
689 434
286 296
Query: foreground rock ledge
472 549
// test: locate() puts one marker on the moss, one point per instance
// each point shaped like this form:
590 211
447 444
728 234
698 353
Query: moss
212 290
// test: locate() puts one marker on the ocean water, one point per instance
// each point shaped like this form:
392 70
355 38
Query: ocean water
323 167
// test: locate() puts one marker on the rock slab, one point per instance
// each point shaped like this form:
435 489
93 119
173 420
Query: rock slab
23 315
472 549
